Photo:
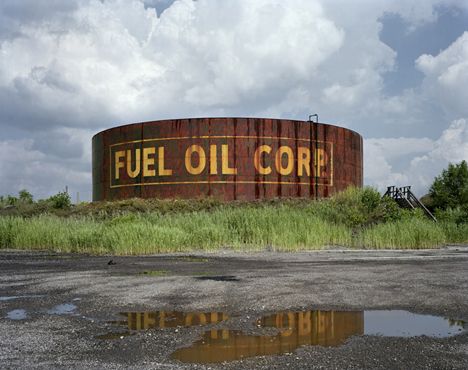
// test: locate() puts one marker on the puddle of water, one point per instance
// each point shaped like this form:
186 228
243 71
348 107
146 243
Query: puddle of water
62 309
295 329
218 278
407 324
13 297
135 321
19 314
325 328
10 298
168 319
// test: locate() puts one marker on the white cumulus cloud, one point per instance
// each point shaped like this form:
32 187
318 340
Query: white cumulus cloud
72 68
420 159
447 76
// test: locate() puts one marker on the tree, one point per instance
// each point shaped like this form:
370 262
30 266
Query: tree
60 200
450 188
25 196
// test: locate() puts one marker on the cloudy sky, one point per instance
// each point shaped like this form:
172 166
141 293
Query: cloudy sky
394 70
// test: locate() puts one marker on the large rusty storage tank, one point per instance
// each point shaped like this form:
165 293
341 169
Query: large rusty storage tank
225 158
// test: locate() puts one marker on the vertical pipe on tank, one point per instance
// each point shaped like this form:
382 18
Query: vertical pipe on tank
316 159
279 187
314 156
235 157
296 142
257 144
326 189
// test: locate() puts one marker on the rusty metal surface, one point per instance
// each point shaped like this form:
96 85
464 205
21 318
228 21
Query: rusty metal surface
225 158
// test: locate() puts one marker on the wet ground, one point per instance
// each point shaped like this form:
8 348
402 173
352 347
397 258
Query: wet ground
331 309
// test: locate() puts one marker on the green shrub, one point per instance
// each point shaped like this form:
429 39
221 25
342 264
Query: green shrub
357 208
60 200
458 215
25 197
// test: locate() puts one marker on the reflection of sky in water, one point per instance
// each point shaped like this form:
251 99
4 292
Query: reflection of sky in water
62 309
19 314
406 324
10 298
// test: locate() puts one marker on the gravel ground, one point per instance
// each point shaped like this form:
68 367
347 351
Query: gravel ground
68 300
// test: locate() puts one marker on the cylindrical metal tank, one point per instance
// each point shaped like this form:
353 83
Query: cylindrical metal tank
225 158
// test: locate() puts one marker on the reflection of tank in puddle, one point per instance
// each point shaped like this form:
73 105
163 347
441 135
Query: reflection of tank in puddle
325 328
169 319
328 328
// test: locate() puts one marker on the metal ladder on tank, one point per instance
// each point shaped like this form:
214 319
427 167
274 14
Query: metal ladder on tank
406 199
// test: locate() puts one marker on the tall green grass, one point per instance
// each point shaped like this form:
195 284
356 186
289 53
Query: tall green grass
404 234
456 233
355 218
274 228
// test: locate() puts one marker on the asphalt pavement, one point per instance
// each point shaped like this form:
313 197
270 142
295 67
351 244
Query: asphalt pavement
252 310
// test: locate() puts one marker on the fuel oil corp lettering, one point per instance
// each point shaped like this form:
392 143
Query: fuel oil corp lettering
165 161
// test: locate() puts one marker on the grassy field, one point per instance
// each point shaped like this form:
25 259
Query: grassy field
355 218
